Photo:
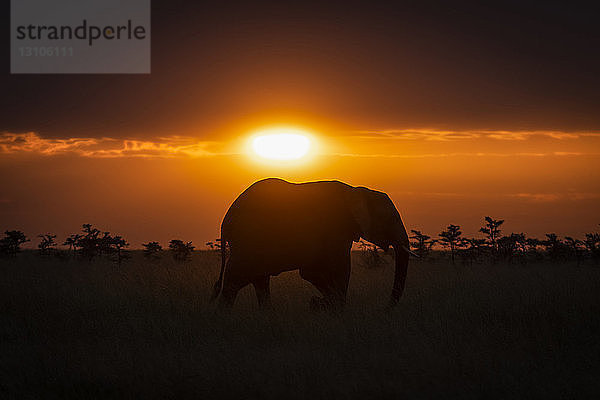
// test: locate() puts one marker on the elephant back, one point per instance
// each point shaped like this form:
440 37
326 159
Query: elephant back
273 212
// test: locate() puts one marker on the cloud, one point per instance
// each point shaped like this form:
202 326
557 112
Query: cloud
453 135
416 134
165 147
532 197
537 197
551 197
465 154
525 196
185 146
484 138
570 153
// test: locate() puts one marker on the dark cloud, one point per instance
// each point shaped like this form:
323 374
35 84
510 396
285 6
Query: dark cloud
453 65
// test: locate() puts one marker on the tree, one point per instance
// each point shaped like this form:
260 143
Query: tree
511 245
118 243
370 256
105 244
592 244
92 244
89 242
181 251
450 238
47 244
532 244
576 247
555 247
216 245
11 243
422 243
492 231
72 241
152 250
471 249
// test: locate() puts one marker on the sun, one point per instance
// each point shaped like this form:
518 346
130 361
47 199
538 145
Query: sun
283 144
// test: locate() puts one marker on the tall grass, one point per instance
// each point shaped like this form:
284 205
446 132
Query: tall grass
146 330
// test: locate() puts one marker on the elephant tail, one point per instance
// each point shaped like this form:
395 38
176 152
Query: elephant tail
219 283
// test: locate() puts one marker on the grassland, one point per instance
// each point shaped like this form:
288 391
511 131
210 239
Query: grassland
73 329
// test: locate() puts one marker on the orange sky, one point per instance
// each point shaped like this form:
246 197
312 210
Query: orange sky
180 187
458 110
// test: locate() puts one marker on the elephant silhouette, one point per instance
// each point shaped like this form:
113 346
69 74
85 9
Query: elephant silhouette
276 226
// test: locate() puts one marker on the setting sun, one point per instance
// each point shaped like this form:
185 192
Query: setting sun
281 144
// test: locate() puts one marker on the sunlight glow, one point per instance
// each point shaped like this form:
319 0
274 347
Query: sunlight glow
281 144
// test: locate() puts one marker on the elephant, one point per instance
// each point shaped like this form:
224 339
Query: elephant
276 226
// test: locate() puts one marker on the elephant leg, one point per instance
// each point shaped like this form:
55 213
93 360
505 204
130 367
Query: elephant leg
231 287
334 292
263 291
332 283
313 276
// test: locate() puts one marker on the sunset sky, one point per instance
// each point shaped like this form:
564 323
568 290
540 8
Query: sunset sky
457 112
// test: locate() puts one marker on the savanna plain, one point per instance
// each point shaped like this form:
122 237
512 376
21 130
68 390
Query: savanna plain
70 328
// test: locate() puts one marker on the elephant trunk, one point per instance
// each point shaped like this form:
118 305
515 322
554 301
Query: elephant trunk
401 259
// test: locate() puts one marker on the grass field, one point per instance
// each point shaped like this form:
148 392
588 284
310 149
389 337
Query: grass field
73 329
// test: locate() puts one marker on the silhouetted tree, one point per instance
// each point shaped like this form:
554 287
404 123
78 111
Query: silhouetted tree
450 238
531 249
89 242
422 243
105 243
471 250
11 243
555 248
181 251
47 244
592 244
216 245
152 250
532 244
118 243
370 256
73 242
511 245
492 231
576 248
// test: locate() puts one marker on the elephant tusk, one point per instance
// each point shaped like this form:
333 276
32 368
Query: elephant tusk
412 253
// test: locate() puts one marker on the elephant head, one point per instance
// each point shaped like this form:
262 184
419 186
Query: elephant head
380 224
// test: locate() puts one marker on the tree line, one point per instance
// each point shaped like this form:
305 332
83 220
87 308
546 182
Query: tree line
494 246
91 243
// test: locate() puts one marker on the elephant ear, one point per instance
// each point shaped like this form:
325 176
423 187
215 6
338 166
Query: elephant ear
357 202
